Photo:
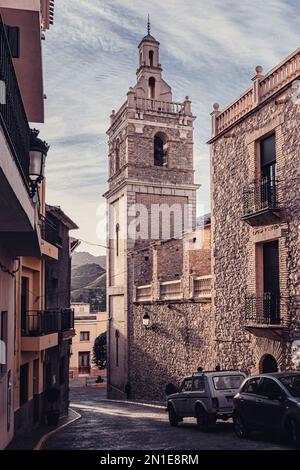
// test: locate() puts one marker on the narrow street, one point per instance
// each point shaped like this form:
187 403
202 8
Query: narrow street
106 425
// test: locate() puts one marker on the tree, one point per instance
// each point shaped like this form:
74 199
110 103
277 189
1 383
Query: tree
100 351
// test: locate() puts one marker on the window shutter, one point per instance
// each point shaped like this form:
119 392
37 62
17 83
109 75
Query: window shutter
268 151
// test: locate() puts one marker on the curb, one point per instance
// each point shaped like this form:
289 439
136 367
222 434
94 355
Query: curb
41 442
150 405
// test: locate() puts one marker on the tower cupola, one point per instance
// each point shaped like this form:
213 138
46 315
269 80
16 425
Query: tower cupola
149 50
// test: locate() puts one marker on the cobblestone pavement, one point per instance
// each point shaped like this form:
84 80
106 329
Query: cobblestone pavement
106 425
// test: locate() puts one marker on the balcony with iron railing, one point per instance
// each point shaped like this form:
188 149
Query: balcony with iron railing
13 119
40 329
260 202
266 314
39 323
51 241
50 232
44 322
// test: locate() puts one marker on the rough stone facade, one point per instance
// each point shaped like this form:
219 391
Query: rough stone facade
180 335
235 162
179 341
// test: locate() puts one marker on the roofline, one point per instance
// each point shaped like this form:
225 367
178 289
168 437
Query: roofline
57 212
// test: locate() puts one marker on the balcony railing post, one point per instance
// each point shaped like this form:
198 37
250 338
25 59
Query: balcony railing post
256 88
214 119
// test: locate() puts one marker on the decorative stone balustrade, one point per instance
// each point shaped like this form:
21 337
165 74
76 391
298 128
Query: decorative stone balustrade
263 87
202 287
173 290
144 293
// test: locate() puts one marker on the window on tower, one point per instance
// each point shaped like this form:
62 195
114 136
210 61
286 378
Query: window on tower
152 88
151 56
160 149
117 156
117 335
117 239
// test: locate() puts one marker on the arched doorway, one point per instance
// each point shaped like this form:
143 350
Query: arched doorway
268 364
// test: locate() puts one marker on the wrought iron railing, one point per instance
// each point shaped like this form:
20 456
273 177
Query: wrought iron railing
13 117
265 309
259 195
44 322
50 231
41 322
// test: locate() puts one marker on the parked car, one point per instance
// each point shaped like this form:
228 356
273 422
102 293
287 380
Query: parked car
207 396
269 403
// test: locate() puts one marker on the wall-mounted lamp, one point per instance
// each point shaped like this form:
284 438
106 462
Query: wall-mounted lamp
37 153
146 320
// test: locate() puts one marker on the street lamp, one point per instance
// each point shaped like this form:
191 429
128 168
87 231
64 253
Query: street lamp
37 153
146 320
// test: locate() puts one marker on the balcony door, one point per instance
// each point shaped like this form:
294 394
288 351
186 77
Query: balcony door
268 171
271 281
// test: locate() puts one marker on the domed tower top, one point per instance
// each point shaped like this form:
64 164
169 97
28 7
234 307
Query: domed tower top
149 49
149 73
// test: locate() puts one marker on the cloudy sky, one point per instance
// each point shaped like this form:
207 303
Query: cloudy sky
209 50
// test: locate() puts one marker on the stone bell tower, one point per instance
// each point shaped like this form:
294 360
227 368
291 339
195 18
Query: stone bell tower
151 178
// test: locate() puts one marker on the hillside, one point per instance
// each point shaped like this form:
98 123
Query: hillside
80 258
88 284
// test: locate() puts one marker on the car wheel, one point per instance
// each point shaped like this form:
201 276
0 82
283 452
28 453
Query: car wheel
173 417
240 428
202 419
293 432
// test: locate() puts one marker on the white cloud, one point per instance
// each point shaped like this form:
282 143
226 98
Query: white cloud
209 51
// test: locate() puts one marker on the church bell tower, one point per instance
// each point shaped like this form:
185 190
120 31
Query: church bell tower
150 167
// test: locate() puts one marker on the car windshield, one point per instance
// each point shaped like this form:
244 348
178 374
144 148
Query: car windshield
227 382
292 384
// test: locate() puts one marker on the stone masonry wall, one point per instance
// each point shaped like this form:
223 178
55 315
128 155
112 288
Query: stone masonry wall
170 260
178 341
181 333
234 163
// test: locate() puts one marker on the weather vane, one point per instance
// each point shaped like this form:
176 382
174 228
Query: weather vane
149 26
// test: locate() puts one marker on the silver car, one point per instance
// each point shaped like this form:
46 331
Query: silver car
207 396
